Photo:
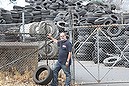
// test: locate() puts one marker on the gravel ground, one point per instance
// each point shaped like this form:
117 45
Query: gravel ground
117 76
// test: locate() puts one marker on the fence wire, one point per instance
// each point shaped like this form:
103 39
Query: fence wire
104 48
22 48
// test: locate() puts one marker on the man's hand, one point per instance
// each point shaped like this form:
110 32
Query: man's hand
49 35
67 64
53 39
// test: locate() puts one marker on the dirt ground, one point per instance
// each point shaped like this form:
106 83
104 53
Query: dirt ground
14 78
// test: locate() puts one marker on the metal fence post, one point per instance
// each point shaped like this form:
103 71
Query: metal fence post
71 33
23 23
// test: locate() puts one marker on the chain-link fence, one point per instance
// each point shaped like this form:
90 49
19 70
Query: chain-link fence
95 40
18 59
22 47
101 50
103 47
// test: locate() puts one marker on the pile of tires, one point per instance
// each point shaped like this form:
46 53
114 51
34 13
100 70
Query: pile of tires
41 29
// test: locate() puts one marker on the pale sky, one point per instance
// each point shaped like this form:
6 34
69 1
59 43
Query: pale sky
6 4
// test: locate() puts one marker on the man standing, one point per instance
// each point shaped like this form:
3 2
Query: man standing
64 59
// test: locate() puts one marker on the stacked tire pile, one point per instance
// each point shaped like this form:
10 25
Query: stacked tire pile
9 33
39 31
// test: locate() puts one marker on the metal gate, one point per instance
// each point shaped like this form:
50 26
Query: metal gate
101 54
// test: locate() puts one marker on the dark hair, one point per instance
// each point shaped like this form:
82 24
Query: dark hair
67 36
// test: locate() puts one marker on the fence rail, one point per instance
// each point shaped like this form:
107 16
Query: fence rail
98 49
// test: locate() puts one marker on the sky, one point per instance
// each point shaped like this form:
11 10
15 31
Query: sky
6 4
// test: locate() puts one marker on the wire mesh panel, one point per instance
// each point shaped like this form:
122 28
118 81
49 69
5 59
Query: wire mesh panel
18 59
102 51
22 47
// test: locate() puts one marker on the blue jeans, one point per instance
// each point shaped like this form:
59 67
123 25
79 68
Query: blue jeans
57 67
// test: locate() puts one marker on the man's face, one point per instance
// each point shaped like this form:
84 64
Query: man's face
62 36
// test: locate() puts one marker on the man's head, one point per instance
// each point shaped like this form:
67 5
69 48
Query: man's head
63 36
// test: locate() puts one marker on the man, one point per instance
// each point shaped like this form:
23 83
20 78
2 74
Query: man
64 59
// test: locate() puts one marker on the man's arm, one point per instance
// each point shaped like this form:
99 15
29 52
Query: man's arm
53 39
69 56
68 59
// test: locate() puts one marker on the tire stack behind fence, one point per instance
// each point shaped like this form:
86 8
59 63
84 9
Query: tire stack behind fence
100 34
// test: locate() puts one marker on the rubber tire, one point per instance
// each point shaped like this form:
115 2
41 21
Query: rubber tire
111 33
33 28
61 25
101 20
39 70
109 63
113 17
51 52
51 28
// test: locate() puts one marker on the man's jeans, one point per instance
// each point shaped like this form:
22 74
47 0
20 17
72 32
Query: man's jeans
56 69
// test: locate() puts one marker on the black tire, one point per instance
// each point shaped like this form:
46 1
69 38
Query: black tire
15 14
18 8
54 6
38 71
101 20
114 31
38 8
7 16
108 22
82 12
91 19
45 12
52 50
111 60
113 17
51 28
61 25
32 29
122 38
99 13
36 12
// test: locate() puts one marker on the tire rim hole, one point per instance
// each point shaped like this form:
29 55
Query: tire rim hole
43 75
